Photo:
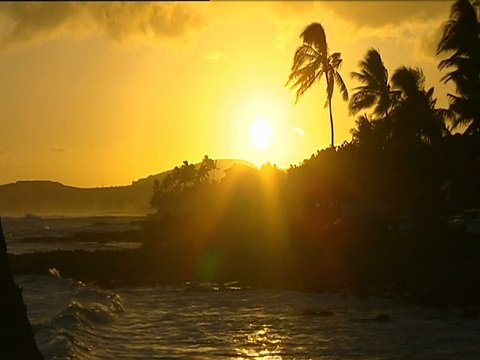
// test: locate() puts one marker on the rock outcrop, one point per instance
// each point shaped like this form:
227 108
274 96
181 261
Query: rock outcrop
17 340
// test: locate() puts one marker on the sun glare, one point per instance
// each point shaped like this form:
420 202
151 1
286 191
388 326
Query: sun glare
261 133
260 130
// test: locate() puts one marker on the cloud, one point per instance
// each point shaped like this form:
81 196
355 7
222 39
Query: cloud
24 22
121 20
286 9
346 18
377 14
299 131
57 150
2 152
28 22
216 56
428 44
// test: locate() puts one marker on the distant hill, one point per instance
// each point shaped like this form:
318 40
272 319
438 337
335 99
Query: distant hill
53 198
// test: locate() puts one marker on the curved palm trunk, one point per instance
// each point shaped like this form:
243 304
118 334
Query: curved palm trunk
329 98
331 121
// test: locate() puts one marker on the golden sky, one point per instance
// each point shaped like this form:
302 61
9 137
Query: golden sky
103 94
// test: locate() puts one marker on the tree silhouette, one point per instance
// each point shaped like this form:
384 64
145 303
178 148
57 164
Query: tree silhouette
461 36
416 114
205 168
177 182
311 61
375 89
364 130
187 175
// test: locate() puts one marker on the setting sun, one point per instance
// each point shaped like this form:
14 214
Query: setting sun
261 133
259 126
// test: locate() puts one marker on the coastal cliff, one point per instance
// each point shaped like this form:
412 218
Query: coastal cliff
17 340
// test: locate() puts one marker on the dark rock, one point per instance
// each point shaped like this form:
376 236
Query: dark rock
16 336
383 318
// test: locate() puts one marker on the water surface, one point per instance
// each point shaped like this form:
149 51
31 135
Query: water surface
74 321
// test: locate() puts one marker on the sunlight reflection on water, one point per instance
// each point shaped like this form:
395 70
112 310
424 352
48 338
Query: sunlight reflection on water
262 344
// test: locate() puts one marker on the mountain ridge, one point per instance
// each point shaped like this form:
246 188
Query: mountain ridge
47 197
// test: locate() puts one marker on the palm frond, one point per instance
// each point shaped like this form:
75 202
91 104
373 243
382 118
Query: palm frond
360 101
304 54
374 79
304 78
341 85
363 78
408 80
460 33
335 60
374 67
314 35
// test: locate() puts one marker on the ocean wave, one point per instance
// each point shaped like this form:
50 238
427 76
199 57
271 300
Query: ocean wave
96 312
73 321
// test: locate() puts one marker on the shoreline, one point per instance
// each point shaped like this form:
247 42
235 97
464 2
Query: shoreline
428 282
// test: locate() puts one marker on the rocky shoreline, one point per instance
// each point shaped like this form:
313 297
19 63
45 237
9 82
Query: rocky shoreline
404 268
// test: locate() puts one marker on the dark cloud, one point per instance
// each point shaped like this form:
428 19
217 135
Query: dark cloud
57 150
26 22
2 152
371 14
30 20
376 14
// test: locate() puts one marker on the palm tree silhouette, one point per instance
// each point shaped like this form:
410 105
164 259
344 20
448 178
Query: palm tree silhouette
416 114
206 167
375 89
363 130
461 35
311 61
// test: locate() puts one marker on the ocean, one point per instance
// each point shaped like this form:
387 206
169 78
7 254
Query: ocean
73 320
17 228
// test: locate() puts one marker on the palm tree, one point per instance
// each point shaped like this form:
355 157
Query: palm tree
363 130
205 168
375 90
311 61
374 134
461 36
416 114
